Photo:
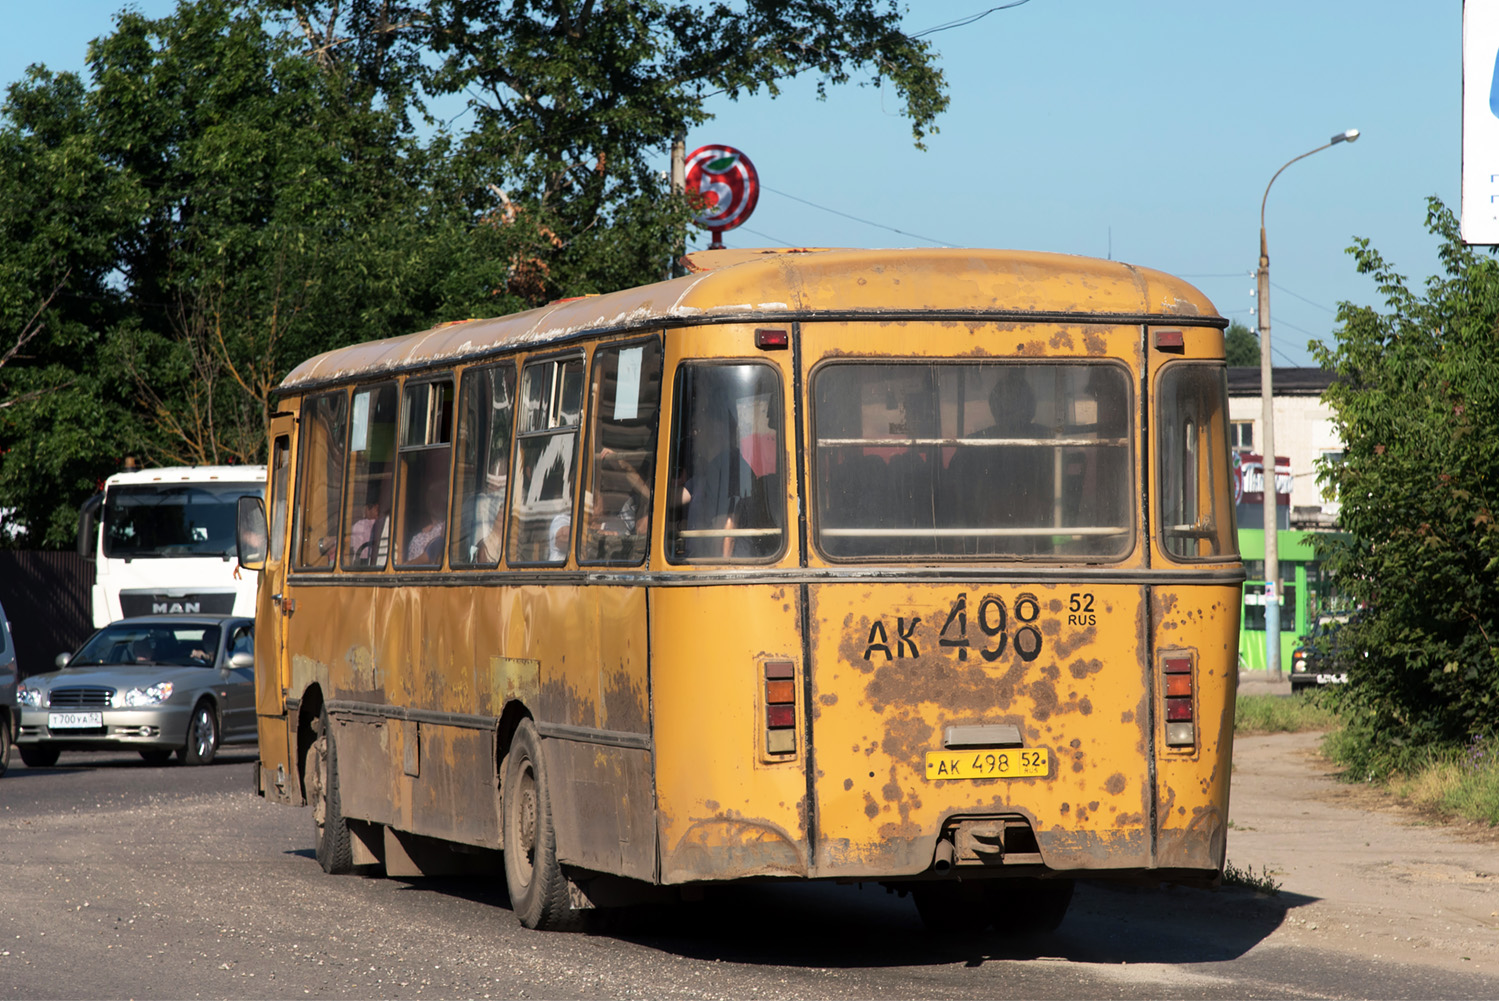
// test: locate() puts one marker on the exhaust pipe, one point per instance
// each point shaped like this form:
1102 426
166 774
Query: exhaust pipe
943 862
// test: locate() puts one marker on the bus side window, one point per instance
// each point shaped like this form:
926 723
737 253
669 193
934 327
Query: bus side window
728 492
280 473
425 454
320 488
626 400
372 453
545 458
486 402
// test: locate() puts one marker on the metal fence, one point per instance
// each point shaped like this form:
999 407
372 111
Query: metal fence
46 599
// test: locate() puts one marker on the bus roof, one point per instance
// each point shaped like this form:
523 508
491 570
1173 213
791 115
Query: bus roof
782 285
189 474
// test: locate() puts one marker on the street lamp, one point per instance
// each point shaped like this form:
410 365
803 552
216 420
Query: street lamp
1267 438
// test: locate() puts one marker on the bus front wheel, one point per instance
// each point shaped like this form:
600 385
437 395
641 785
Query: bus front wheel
335 849
538 888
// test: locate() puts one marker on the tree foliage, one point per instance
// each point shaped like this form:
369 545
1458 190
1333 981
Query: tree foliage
246 183
1241 345
1417 403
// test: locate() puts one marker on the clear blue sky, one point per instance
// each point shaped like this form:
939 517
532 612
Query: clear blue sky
1145 131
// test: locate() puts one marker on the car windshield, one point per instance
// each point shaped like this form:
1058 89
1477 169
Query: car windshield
177 644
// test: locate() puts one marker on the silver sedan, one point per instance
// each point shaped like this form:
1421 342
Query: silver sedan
156 684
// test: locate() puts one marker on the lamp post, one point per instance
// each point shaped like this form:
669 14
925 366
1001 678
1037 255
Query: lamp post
1267 437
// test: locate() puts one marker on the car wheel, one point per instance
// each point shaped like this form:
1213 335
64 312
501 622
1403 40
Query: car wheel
335 849
4 739
155 755
538 888
38 755
202 736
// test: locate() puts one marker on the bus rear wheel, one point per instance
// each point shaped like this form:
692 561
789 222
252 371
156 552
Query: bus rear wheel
538 888
335 849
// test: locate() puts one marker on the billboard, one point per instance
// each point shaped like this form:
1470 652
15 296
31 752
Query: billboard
1480 197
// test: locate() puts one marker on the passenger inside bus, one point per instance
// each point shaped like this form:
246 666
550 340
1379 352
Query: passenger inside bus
1004 486
716 478
367 535
428 522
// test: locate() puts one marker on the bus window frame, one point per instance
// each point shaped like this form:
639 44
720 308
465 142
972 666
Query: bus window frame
1132 448
346 562
305 421
589 454
673 457
399 535
1229 534
510 365
559 360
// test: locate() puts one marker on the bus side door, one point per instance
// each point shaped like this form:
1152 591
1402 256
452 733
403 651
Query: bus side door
277 768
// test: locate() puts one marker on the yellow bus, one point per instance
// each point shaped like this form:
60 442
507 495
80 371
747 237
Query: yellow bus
914 567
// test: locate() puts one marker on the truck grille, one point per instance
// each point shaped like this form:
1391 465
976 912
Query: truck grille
145 603
81 698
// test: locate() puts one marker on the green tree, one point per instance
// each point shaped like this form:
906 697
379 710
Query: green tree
571 100
1417 404
1241 345
242 185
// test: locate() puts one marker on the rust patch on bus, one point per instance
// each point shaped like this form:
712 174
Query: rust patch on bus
559 702
1115 784
1082 668
729 847
624 705
1044 695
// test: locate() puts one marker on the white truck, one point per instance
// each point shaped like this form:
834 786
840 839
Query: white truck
163 542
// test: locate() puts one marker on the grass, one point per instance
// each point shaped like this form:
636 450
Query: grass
1262 883
1278 714
1454 786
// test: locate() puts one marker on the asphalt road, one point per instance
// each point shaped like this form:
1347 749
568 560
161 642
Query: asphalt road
123 880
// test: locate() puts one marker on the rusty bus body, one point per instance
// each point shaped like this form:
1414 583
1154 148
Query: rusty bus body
908 649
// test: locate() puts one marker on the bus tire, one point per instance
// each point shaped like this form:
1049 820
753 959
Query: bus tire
538 887
202 741
335 848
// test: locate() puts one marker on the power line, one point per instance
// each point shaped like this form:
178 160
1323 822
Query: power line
867 222
1303 298
965 21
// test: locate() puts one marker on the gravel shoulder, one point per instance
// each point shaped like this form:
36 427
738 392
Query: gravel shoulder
1359 873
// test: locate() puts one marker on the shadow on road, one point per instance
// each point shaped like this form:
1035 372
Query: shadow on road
843 926
826 925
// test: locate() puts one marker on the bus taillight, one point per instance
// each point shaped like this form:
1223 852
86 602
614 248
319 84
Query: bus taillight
1176 684
780 707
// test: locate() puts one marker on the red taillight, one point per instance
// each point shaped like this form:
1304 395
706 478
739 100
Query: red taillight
780 707
770 339
1180 700
1169 340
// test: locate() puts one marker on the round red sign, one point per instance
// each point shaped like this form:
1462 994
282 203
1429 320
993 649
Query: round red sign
727 183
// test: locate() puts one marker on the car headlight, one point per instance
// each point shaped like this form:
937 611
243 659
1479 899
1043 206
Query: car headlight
155 695
29 698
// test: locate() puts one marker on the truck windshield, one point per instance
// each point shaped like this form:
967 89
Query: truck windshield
168 520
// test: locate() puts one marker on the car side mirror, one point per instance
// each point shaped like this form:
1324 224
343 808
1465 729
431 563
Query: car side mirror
241 658
61 660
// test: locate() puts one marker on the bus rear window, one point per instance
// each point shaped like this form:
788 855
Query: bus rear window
1196 499
980 461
